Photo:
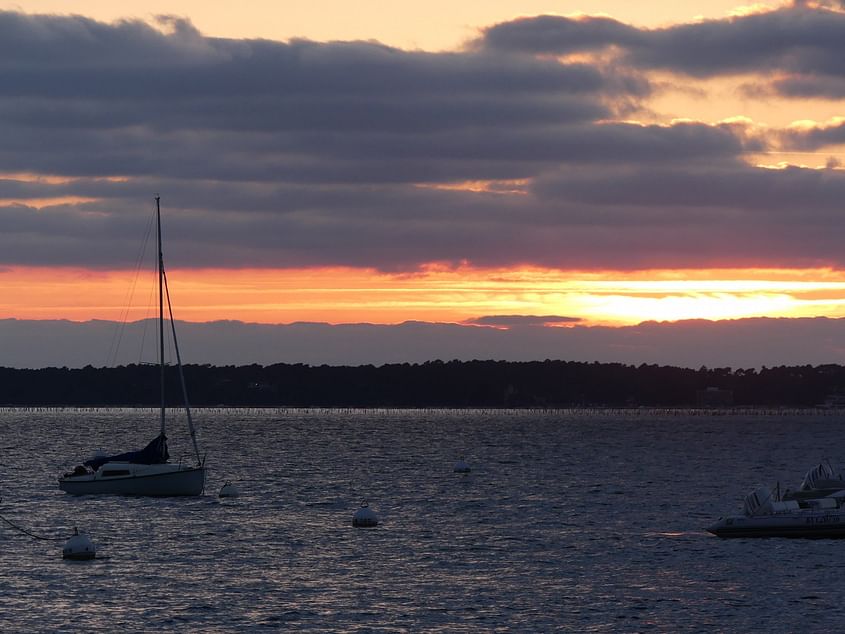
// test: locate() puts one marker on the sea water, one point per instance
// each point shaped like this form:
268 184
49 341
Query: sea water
568 521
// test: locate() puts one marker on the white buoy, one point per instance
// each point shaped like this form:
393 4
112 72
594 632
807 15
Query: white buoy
461 466
78 547
229 490
365 517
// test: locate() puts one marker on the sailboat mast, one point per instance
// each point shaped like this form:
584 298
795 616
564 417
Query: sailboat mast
160 307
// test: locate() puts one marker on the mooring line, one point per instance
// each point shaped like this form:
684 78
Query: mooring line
26 532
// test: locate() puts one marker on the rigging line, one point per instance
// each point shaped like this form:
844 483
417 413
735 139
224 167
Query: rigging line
117 336
119 330
147 316
26 532
138 271
181 373
149 303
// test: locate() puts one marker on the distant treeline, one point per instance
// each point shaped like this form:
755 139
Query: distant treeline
432 384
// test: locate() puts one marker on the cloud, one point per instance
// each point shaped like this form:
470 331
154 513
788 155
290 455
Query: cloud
674 216
815 136
804 41
509 321
300 153
685 213
704 193
561 35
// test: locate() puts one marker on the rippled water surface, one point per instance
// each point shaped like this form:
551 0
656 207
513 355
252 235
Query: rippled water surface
568 522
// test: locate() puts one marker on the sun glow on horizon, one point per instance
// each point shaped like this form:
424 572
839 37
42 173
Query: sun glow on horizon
436 293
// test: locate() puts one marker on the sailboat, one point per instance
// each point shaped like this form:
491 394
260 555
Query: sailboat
148 471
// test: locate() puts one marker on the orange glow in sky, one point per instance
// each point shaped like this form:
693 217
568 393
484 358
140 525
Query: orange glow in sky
436 294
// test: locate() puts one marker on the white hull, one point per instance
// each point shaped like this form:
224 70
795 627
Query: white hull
142 480
803 523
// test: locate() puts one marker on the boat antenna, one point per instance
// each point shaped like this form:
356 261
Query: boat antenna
160 307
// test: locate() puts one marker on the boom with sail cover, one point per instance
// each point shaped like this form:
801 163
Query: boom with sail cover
154 453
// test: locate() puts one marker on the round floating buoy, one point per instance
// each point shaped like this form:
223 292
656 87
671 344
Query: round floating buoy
461 466
78 547
364 517
229 490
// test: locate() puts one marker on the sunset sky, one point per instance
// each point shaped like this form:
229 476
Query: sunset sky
594 163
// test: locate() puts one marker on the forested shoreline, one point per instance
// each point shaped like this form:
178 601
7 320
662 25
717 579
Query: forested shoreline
431 384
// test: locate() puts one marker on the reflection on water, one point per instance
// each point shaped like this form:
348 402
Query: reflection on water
585 522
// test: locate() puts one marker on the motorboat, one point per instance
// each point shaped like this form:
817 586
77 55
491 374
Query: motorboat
147 471
820 481
816 510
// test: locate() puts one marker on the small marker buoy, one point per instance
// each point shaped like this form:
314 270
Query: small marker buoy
364 517
461 466
229 490
78 547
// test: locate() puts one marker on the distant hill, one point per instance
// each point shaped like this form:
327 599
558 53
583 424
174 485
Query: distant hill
740 343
